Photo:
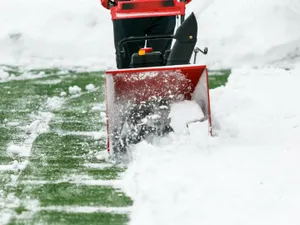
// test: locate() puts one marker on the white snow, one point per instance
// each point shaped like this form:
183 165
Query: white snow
98 107
15 165
246 175
180 119
39 125
102 155
54 103
97 165
3 74
73 33
7 205
6 216
249 32
25 75
31 131
63 94
74 90
53 33
90 87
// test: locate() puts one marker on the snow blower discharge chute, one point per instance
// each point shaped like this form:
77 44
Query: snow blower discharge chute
138 99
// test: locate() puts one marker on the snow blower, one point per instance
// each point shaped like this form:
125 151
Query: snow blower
139 99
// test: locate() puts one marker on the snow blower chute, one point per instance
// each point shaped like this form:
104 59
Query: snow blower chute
138 99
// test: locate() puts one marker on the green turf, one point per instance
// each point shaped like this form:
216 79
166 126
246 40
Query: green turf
65 156
5 137
66 194
63 218
53 156
218 78
109 173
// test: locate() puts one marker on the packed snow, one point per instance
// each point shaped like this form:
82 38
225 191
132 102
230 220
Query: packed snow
74 33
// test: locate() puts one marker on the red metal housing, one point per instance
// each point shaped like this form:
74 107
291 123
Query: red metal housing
176 83
147 8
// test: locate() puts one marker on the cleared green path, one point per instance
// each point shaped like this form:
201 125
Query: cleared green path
63 180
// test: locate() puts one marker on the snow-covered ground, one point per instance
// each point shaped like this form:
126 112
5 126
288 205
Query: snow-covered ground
248 174
50 33
250 32
79 32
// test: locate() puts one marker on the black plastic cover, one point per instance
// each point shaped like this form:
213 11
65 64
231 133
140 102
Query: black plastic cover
148 60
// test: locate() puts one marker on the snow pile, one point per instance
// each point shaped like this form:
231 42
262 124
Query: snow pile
90 87
246 175
250 32
73 33
63 94
74 90
67 33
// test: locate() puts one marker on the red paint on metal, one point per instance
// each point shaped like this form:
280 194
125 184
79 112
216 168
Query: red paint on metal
146 8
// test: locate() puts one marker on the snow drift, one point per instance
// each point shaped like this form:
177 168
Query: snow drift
251 32
55 33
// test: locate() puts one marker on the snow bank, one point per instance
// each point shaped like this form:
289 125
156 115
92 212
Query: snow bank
73 33
260 107
246 175
55 33
250 32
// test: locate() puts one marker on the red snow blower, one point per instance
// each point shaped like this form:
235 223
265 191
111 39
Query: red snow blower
139 99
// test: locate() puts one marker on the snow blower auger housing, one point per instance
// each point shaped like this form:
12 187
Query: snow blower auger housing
139 99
